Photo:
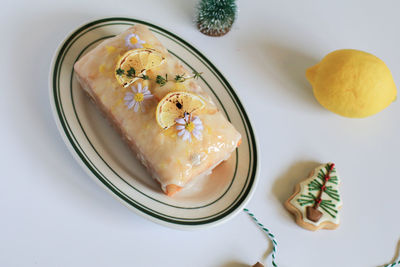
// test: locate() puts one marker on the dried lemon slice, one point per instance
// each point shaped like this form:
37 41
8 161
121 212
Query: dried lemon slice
174 105
134 64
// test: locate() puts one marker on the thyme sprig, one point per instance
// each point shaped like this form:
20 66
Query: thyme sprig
120 72
179 78
131 72
161 80
196 74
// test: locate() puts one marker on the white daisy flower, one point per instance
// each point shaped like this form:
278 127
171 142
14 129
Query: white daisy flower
136 99
188 126
133 41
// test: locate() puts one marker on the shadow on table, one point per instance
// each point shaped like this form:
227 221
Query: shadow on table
234 264
291 64
396 257
284 185
187 8
283 63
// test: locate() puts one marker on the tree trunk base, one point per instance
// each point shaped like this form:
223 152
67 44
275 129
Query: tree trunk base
313 214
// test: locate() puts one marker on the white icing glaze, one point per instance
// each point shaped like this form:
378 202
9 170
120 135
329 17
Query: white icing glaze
304 190
169 159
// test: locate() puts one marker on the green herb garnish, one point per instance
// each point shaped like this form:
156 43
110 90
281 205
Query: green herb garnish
180 78
161 80
196 74
120 72
131 73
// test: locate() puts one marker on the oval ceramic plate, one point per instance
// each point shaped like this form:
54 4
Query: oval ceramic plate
103 154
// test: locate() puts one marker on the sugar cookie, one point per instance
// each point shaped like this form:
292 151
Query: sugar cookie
316 200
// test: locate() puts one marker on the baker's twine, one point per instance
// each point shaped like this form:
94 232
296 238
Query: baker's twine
397 261
269 234
275 244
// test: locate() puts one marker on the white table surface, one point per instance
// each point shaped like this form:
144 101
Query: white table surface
53 214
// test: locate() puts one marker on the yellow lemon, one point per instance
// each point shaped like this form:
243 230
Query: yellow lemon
352 83
134 64
174 106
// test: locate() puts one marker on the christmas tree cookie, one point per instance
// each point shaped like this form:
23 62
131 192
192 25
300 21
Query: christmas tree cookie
316 201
